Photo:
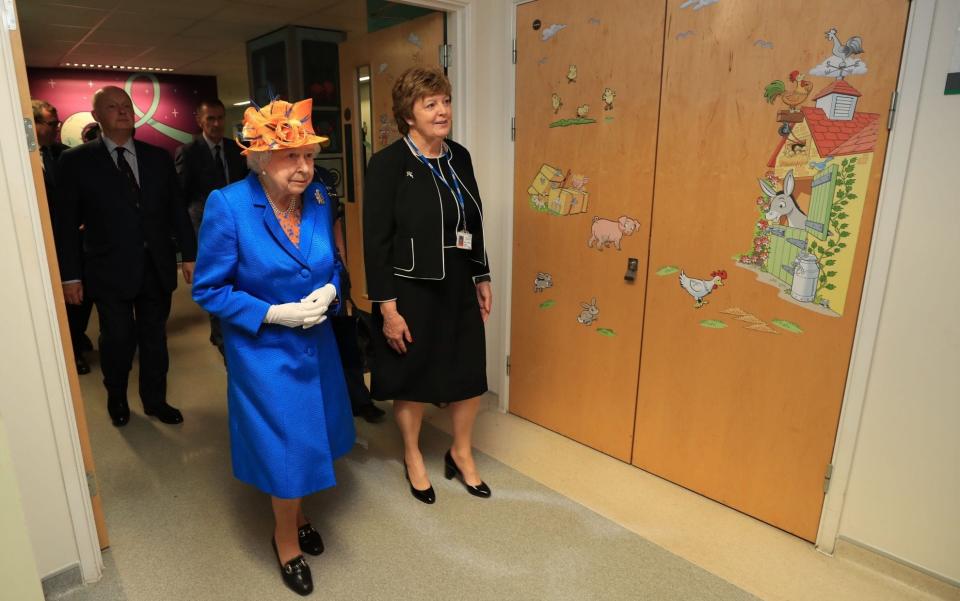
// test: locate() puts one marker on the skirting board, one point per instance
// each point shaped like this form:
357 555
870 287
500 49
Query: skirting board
65 580
915 577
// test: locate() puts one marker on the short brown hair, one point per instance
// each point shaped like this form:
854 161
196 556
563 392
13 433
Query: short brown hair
39 106
413 84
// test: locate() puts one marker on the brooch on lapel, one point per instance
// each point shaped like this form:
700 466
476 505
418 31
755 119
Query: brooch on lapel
410 174
318 196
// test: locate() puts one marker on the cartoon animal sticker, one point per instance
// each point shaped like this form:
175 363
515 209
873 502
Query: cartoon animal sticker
558 193
683 35
572 74
698 4
556 102
604 232
608 95
782 203
699 289
542 282
593 21
551 31
582 111
589 313
793 98
844 60
763 44
415 40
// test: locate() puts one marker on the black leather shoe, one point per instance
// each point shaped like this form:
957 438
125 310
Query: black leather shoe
450 470
424 496
85 344
165 413
119 411
310 541
83 367
296 573
370 413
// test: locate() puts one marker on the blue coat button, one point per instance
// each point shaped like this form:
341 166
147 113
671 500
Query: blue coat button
304 273
309 351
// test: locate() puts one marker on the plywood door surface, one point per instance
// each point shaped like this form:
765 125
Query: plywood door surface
72 377
739 399
588 80
388 53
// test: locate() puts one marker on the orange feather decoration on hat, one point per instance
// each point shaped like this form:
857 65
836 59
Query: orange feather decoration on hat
279 125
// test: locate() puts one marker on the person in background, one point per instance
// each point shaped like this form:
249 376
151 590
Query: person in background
428 275
126 195
345 325
267 268
206 164
91 131
47 125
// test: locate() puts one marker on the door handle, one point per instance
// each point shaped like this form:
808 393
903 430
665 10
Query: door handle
632 266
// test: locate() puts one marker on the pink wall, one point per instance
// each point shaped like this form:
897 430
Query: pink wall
168 125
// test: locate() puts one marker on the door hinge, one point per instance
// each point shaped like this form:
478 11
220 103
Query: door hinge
514 52
894 97
508 365
9 14
513 129
445 50
92 484
30 134
826 478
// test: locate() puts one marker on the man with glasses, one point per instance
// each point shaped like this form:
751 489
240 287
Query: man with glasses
47 124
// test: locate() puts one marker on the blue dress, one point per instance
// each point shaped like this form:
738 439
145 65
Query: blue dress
290 415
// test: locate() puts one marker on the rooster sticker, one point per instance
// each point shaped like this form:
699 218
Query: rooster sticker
700 289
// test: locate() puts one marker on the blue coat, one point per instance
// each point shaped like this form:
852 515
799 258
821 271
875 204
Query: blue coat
289 411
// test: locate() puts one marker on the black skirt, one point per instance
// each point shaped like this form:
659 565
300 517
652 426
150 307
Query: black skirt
447 360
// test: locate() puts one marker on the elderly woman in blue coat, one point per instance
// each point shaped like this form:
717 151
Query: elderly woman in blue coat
266 267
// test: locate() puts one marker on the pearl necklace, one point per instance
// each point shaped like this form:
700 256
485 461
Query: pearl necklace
293 205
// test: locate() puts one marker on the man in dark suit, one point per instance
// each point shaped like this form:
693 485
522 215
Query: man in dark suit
207 163
127 195
47 125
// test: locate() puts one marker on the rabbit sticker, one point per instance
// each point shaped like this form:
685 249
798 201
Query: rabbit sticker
542 282
782 203
589 313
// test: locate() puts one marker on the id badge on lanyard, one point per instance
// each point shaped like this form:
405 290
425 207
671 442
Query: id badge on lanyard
464 238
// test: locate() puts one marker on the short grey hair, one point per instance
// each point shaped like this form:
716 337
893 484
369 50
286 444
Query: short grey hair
256 161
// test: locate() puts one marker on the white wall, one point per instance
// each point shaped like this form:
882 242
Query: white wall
18 572
904 489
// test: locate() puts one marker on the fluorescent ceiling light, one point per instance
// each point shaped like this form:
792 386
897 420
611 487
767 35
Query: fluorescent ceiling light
365 78
244 103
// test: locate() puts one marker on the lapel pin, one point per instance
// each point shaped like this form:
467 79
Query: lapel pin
410 174
318 196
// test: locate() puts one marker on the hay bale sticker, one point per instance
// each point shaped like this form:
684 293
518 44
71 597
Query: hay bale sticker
558 193
810 208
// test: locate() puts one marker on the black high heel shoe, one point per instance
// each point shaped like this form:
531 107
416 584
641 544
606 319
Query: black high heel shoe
296 573
310 541
450 470
424 496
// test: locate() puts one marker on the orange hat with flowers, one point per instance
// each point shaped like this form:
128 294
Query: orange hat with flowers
279 125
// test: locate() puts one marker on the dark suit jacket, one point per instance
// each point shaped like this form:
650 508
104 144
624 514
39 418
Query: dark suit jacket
198 175
403 219
50 172
120 236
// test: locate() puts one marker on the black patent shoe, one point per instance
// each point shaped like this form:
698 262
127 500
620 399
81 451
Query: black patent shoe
83 368
450 470
296 573
165 413
310 541
424 496
370 413
119 412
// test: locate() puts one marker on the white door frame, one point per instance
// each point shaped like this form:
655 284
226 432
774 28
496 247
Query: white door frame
24 207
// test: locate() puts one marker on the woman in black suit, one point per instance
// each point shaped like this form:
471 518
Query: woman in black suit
428 275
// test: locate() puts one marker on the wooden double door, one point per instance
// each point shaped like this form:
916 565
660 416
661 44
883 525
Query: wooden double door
696 186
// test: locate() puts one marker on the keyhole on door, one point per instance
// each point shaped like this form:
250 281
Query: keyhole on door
632 266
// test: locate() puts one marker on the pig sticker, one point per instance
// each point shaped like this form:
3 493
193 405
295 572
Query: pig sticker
605 232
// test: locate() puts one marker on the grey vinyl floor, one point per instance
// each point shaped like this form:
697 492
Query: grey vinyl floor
182 528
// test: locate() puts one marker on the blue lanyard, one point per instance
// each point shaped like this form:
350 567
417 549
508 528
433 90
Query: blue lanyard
454 188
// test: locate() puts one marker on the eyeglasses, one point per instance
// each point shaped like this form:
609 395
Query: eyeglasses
54 123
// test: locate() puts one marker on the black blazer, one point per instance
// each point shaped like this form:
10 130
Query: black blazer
198 175
119 236
403 219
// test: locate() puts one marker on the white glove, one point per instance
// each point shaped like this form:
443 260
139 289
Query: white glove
322 296
295 315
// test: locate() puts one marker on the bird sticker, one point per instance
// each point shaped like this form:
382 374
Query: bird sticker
551 31
556 102
582 111
845 58
698 4
572 74
699 289
792 98
608 95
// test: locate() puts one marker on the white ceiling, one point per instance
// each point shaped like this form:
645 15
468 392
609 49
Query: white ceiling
200 37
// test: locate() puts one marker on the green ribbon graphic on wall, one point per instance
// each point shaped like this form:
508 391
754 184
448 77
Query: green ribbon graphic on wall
176 134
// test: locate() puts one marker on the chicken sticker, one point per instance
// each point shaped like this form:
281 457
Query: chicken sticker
572 74
700 289
608 95
844 60
556 102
